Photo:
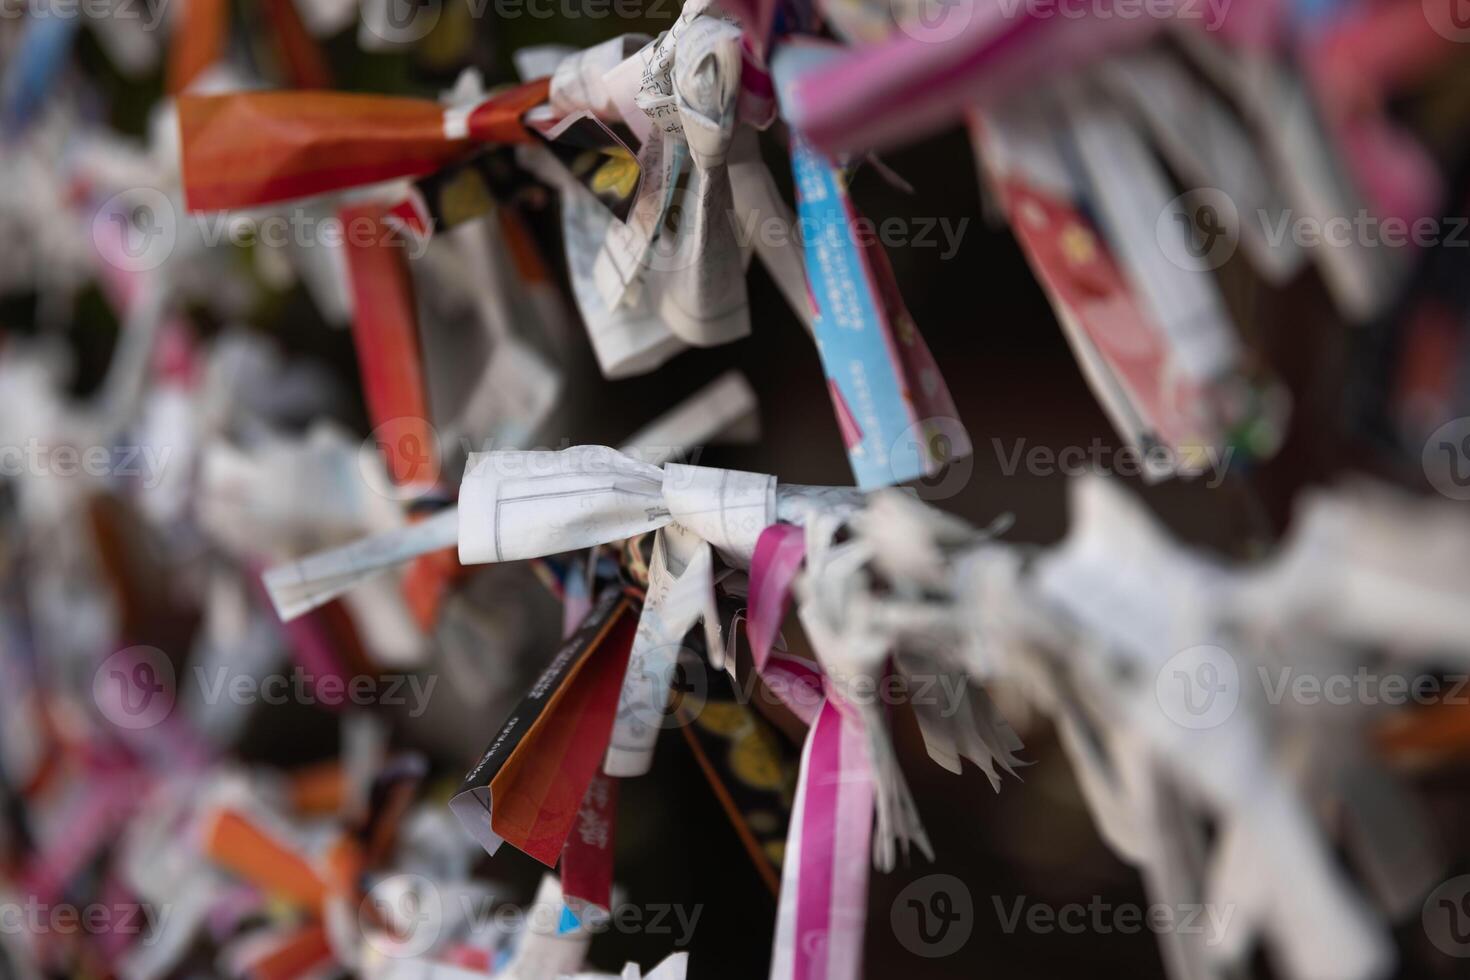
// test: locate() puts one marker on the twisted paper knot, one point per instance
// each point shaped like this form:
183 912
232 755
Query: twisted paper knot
515 505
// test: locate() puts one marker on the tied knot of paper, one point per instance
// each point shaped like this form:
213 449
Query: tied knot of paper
515 504
706 84
688 90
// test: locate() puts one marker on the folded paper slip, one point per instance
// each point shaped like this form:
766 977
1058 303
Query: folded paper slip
233 841
531 781
251 148
385 333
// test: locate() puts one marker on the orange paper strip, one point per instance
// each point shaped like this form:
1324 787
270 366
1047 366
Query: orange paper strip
198 41
250 148
233 842
386 335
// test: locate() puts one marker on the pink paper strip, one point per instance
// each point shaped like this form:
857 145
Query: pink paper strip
919 81
851 854
798 683
779 552
818 847
836 825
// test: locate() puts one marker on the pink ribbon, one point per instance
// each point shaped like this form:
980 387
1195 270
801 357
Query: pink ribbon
824 883
779 552
824 886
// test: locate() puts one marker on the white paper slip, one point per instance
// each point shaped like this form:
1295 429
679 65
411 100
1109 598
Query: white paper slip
515 505
726 404
1130 192
315 580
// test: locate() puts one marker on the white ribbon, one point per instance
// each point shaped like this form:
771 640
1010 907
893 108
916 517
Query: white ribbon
515 505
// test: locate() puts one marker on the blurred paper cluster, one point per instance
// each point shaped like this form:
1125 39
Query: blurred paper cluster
807 489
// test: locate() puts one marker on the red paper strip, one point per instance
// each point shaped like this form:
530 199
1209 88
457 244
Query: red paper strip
587 858
251 148
301 57
198 41
233 842
539 790
386 335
